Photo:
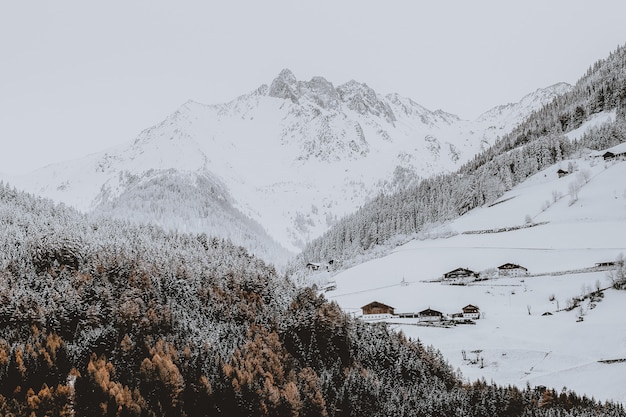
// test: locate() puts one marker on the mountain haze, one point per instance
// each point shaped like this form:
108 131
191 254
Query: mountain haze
276 167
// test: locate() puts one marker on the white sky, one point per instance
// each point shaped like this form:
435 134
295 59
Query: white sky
78 77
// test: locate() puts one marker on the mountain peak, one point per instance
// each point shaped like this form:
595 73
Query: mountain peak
284 86
321 91
363 99
286 75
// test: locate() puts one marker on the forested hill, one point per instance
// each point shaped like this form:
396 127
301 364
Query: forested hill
602 88
108 319
536 143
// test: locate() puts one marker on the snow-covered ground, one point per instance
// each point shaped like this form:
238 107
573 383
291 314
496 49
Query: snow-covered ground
514 341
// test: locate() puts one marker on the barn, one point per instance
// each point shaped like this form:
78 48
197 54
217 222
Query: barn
512 270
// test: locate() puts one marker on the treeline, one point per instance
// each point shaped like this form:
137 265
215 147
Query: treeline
109 319
535 144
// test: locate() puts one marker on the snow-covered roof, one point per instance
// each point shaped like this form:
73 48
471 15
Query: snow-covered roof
617 149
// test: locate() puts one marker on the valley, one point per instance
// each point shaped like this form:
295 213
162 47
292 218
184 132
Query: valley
313 210
292 156
514 342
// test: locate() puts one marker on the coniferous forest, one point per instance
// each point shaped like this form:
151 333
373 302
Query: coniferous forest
535 144
109 319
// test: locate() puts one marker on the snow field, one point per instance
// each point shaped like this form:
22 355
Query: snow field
513 341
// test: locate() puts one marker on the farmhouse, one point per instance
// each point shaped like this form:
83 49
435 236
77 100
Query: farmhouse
608 155
561 173
377 311
377 308
512 270
460 273
471 312
618 151
430 315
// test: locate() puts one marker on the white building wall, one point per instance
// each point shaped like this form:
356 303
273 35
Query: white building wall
373 317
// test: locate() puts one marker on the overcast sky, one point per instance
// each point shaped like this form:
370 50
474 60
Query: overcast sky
78 77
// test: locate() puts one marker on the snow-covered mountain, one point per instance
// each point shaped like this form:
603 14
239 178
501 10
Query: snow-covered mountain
289 158
558 324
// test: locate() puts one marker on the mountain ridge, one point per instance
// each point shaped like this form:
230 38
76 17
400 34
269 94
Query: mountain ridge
294 156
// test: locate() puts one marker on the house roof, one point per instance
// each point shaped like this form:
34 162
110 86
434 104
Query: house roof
460 270
430 312
615 150
511 266
618 149
376 304
470 307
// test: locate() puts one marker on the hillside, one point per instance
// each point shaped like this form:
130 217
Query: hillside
572 229
292 156
106 319
591 116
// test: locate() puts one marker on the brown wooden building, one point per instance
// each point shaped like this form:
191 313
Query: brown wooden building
512 270
430 315
460 273
471 312
377 308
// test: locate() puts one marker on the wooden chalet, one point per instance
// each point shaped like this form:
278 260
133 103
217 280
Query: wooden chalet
618 151
512 270
471 312
615 152
377 308
608 155
561 173
430 315
460 273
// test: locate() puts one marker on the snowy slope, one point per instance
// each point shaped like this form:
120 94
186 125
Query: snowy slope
293 156
516 342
